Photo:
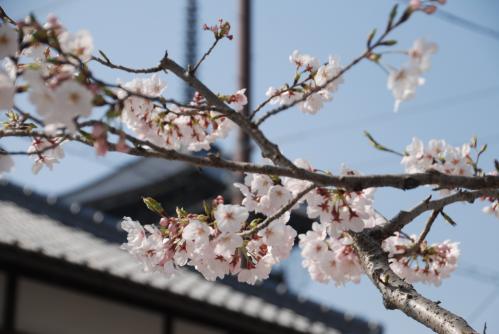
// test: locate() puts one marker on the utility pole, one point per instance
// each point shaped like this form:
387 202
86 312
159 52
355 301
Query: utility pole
243 145
191 31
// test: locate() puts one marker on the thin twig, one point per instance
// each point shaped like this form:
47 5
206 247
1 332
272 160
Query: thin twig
427 226
206 54
109 64
405 217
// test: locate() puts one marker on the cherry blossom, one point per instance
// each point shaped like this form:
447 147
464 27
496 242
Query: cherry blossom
6 164
404 81
45 152
493 208
59 106
178 127
79 44
262 194
420 54
319 85
341 210
7 91
238 100
304 61
421 263
403 84
8 41
439 156
99 135
230 218
329 258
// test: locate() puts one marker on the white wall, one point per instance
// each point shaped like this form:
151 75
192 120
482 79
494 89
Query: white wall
44 309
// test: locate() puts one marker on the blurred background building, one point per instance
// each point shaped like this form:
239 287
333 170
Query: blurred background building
62 271
460 99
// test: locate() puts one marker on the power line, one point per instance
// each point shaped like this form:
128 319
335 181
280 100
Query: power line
384 116
464 23
484 304
467 24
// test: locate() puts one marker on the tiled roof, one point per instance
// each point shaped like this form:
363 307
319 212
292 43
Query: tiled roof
85 238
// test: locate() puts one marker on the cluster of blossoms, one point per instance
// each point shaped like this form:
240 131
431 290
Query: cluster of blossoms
50 65
264 194
328 257
341 210
221 30
438 156
50 78
194 127
421 262
211 243
218 243
319 83
54 89
404 81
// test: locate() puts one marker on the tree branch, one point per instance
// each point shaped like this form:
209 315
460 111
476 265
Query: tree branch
405 217
398 294
269 149
349 182
109 64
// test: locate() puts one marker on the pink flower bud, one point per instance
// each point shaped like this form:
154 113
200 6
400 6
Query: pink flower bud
430 9
415 4
99 134
121 146
218 200
101 147
98 131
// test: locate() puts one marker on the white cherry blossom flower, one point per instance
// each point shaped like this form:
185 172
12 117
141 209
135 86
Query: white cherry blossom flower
306 61
135 234
403 84
8 41
239 99
7 91
79 44
420 54
226 244
230 218
6 164
45 152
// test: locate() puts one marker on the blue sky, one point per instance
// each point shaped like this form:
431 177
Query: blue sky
460 99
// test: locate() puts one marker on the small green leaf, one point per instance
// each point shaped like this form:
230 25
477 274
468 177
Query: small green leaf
207 208
483 149
154 205
393 14
448 218
370 38
389 42
104 56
